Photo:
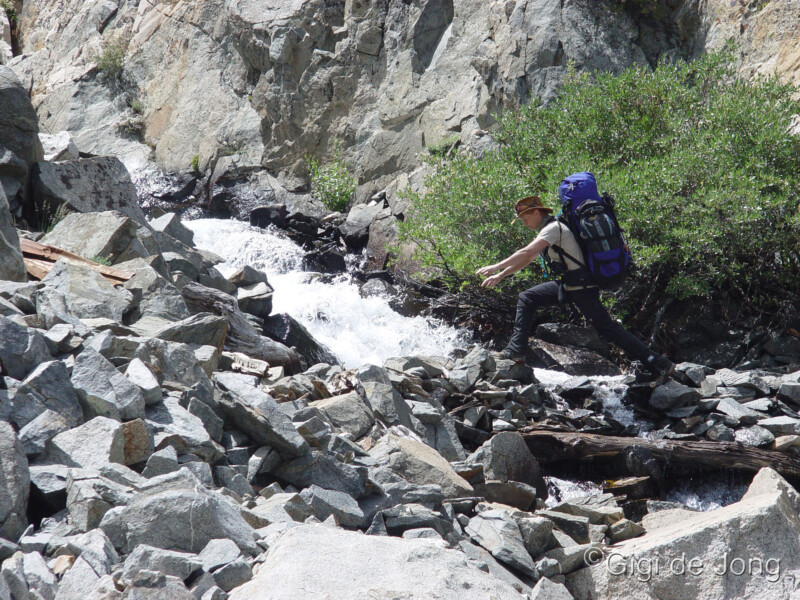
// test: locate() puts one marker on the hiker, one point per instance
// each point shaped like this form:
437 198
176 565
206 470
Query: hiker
559 248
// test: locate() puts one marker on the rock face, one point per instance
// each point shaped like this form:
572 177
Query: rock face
749 547
316 561
14 484
12 268
20 147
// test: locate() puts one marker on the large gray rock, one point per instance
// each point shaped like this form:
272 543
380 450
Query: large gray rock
733 553
172 422
168 562
258 414
348 413
90 497
318 561
170 223
12 267
86 185
21 348
178 519
159 299
419 464
88 294
14 484
108 234
104 391
99 442
324 470
58 146
506 457
20 147
48 387
500 535
329 502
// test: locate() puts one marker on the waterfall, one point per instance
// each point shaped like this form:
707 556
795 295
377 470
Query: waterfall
358 330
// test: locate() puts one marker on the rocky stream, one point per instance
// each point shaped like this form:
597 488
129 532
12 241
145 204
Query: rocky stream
211 387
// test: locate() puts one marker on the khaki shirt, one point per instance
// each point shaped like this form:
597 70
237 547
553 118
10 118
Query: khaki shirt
556 233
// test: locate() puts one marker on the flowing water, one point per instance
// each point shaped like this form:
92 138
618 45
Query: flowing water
366 330
357 330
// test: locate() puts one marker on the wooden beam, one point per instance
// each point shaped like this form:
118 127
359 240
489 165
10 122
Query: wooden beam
40 258
552 446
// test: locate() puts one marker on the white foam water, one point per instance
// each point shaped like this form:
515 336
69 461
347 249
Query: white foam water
357 330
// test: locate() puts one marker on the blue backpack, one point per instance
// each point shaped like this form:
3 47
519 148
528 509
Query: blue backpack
592 220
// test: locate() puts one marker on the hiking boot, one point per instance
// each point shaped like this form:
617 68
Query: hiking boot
660 366
514 355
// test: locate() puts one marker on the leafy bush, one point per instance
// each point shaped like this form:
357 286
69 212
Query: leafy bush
331 183
705 171
111 59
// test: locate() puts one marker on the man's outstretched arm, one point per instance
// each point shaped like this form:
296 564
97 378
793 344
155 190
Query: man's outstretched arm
519 260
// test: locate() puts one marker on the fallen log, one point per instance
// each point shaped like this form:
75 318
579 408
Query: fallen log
40 259
242 336
553 446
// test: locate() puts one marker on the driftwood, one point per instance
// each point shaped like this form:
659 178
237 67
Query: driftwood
40 259
242 336
551 446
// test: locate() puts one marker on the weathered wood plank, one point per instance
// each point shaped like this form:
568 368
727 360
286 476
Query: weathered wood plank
42 258
550 446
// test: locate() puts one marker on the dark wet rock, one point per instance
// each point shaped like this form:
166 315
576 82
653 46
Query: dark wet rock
574 361
325 260
673 395
271 214
290 332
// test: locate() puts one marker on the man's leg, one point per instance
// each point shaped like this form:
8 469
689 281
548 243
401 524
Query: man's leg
544 294
588 302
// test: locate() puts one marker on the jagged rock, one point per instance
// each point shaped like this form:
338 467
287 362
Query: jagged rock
151 585
177 519
58 146
258 414
548 590
157 297
624 530
12 267
292 333
87 293
170 223
48 387
576 527
86 185
218 553
312 560
203 329
325 471
355 230
600 510
170 420
789 392
14 484
500 535
347 412
329 502
140 375
35 435
506 457
672 395
162 462
99 442
271 214
168 562
574 361
109 234
21 348
714 545
781 425
420 464
256 299
233 575
18 137
104 391
89 497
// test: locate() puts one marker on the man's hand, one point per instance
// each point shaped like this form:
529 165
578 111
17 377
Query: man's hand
490 282
484 271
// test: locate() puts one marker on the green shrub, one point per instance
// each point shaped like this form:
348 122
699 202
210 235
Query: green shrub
331 183
196 164
101 260
11 13
704 169
111 59
444 146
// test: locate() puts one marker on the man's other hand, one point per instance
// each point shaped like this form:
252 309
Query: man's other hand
484 271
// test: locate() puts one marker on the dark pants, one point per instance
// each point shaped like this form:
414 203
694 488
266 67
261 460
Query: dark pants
588 302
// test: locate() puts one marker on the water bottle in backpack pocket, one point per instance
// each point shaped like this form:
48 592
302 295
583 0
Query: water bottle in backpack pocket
592 220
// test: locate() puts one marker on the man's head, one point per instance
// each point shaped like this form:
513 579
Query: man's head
531 211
